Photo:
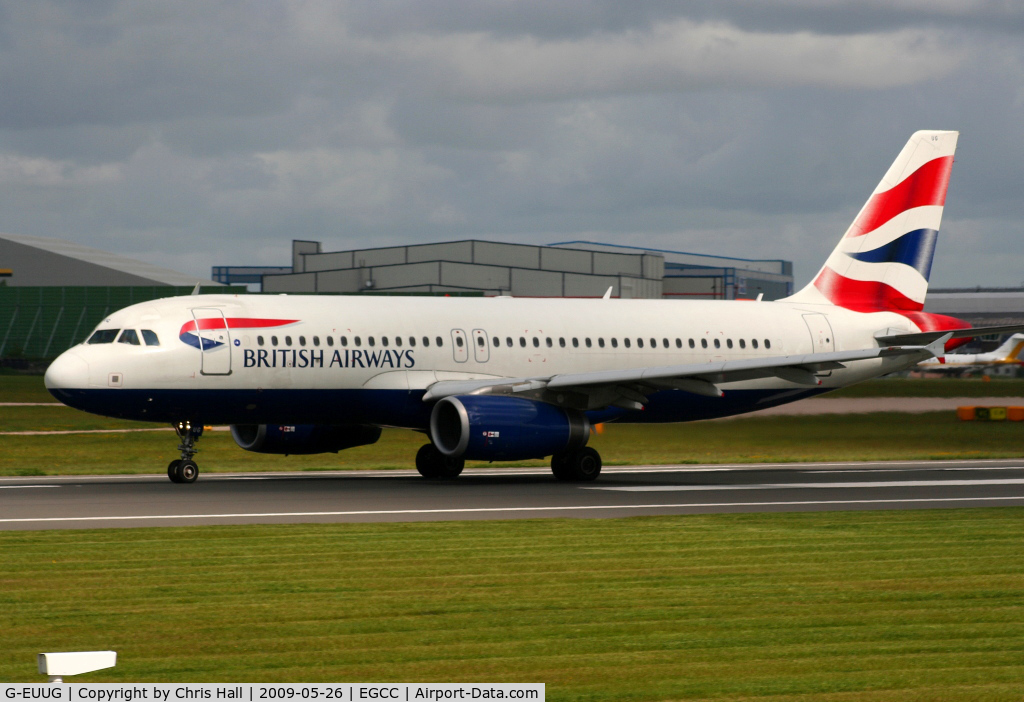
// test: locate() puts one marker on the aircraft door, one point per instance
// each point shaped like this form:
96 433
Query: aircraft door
822 339
481 350
213 341
460 346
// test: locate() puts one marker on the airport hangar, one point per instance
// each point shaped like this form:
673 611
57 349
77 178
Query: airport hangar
53 292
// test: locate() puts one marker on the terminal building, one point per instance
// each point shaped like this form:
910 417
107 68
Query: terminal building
566 269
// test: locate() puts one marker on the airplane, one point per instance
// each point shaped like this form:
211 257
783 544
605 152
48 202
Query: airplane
508 379
1008 353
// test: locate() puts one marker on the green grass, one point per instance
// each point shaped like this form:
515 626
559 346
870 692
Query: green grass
919 605
876 436
934 387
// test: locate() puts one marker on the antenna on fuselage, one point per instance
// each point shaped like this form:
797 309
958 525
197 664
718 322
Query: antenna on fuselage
195 290
608 293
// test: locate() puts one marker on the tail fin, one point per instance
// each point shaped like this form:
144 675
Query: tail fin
1009 352
883 261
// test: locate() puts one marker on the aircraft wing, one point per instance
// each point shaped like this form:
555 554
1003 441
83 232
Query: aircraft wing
629 387
893 337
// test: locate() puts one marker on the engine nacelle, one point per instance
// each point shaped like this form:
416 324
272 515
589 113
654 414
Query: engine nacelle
302 438
500 428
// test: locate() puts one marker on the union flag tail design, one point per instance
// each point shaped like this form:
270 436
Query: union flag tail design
883 261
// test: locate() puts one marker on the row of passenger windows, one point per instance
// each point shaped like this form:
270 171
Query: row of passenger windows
588 342
127 336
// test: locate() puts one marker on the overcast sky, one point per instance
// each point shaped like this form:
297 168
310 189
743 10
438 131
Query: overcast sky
213 133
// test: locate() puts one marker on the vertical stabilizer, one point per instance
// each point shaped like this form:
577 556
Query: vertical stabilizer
883 261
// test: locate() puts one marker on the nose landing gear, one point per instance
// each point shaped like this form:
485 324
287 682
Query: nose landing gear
185 470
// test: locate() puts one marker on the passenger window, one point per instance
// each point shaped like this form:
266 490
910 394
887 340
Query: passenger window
728 342
458 341
692 345
480 341
654 343
287 341
600 341
330 341
371 341
129 336
316 341
536 342
703 343
103 336
358 341
302 341
639 343
547 341
753 342
615 343
508 341
664 342
383 341
440 341
626 342
496 342
718 344
743 344
588 342
343 340
259 340
522 341
561 341
767 344
398 341
412 341
575 343
150 337
426 341
273 341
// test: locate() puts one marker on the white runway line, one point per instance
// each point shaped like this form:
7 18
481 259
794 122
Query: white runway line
491 510
784 486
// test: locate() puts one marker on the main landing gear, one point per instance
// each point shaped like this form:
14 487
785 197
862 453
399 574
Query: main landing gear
431 463
184 469
579 466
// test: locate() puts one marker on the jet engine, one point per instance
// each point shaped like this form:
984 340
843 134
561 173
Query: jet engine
501 428
302 438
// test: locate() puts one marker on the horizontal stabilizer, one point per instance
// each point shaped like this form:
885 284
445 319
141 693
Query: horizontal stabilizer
892 337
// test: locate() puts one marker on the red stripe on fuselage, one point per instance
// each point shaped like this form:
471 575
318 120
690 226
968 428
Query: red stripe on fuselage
925 186
233 323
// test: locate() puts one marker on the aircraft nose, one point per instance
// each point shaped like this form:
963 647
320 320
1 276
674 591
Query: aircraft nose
68 371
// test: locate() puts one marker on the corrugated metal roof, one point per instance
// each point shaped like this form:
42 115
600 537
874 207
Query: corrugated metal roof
108 260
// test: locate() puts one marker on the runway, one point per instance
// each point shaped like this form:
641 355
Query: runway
502 493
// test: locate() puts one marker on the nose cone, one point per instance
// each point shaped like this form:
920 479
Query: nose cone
68 372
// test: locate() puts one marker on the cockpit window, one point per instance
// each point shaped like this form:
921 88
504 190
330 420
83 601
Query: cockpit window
129 336
103 336
151 338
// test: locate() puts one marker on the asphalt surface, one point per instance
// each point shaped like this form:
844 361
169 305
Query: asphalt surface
503 493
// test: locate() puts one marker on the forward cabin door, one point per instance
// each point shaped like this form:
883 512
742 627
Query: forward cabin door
214 341
822 339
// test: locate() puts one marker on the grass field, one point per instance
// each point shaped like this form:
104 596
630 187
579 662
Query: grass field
915 605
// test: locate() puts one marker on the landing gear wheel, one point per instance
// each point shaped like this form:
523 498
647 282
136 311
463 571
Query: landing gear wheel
433 464
172 471
579 466
187 471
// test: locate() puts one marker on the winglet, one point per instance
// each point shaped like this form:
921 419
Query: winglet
938 347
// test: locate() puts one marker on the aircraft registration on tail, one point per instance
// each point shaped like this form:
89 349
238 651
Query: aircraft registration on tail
503 379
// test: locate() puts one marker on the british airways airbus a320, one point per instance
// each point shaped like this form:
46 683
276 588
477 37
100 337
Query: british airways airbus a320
502 379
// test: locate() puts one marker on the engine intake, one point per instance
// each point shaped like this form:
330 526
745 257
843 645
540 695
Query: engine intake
500 428
302 438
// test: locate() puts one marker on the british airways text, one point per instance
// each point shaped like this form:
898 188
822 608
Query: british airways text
310 358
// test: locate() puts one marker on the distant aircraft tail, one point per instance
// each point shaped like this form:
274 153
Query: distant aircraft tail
1009 352
883 261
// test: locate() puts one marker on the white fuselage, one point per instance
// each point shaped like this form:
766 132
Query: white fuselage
277 356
